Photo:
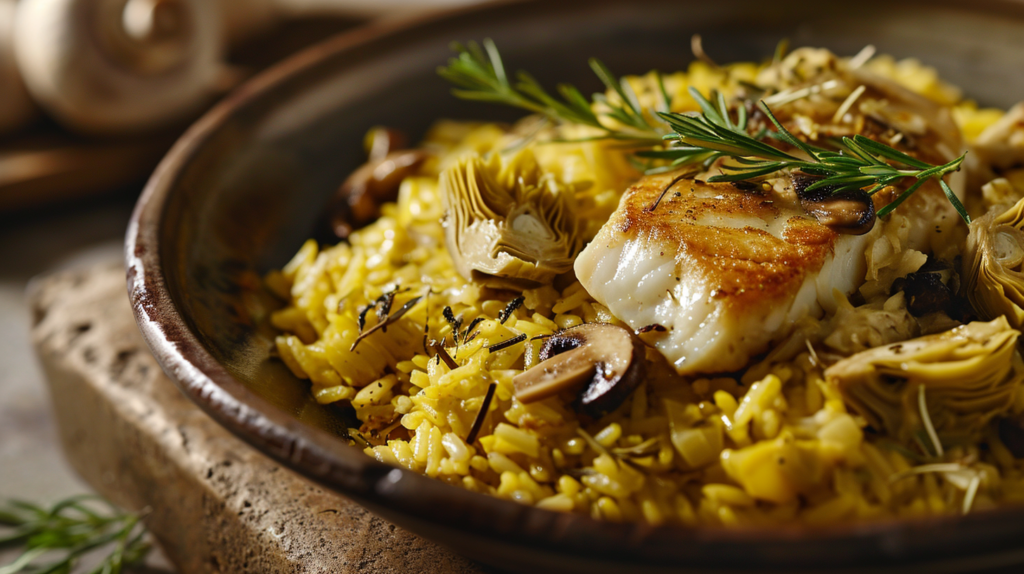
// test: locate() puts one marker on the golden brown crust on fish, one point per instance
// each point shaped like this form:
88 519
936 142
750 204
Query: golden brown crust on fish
744 265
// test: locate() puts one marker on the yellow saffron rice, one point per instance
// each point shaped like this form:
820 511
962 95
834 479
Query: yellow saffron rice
773 444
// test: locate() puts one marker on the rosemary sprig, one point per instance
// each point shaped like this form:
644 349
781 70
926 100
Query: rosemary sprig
480 75
74 526
713 134
859 163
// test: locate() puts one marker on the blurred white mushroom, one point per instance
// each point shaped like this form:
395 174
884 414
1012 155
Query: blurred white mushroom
16 108
120 66
110 66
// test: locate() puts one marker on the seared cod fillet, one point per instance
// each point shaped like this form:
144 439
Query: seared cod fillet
724 271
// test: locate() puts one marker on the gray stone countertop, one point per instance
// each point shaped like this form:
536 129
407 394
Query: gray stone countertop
32 466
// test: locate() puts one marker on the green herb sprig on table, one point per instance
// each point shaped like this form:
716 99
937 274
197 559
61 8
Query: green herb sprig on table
74 527
689 139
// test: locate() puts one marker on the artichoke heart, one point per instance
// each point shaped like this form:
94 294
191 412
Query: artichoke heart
507 223
994 265
969 375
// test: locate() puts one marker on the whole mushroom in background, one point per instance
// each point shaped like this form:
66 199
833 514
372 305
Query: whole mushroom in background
16 107
110 66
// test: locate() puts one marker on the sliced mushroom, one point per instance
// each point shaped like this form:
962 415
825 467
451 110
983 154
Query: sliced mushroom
605 360
357 202
379 142
848 212
933 289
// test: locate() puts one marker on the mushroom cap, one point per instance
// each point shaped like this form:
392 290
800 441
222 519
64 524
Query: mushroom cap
851 212
16 107
606 361
359 198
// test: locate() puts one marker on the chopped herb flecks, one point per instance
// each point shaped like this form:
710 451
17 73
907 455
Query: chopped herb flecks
443 355
510 308
478 423
507 343
388 320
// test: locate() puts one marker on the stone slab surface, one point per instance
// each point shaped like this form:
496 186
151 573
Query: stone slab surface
215 504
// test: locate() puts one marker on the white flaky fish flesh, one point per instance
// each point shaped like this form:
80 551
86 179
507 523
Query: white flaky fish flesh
723 271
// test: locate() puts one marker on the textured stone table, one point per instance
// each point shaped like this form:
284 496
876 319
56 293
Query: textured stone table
216 505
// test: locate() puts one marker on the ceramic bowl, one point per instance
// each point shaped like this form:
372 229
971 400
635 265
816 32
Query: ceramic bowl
247 184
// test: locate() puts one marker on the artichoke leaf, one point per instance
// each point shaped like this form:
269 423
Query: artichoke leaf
970 375
994 277
508 224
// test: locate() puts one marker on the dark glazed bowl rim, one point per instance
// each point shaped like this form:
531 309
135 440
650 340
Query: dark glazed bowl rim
430 505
